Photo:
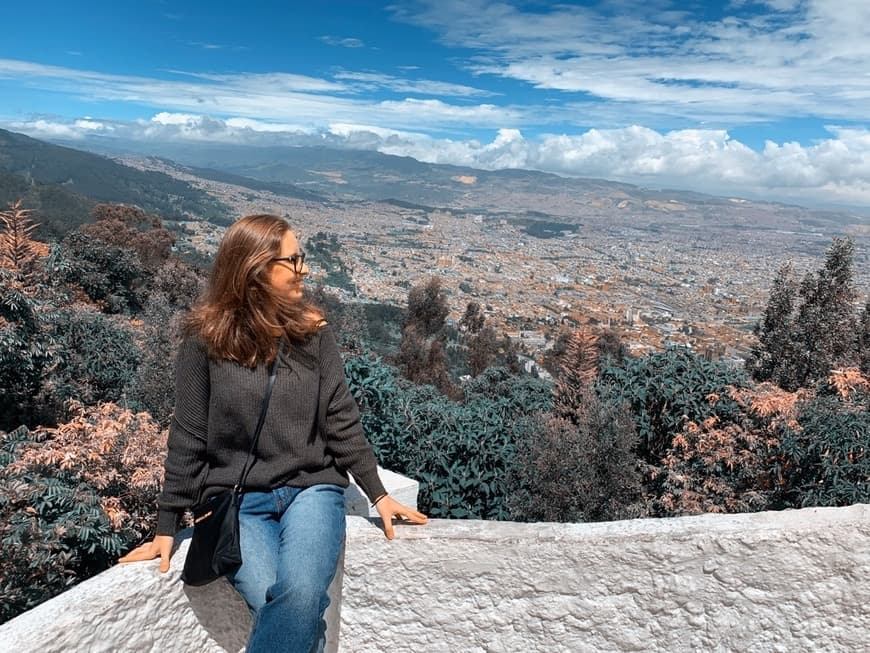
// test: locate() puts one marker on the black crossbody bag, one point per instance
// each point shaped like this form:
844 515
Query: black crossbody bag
215 548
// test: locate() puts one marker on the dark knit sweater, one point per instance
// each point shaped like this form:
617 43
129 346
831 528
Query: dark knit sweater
312 432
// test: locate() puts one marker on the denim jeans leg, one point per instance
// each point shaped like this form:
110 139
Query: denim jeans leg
259 534
312 531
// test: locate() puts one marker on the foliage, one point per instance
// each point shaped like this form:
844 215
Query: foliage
862 345
578 369
427 307
96 358
667 390
579 469
460 452
73 498
25 351
110 275
826 455
422 355
18 252
799 343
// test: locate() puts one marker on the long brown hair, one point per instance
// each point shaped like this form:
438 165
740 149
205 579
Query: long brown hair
240 311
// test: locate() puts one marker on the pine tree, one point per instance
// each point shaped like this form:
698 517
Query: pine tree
863 340
473 320
772 357
17 249
578 372
427 307
826 324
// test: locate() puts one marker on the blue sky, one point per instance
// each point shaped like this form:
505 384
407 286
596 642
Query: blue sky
760 98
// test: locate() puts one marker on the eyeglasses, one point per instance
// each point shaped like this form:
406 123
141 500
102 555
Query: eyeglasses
296 261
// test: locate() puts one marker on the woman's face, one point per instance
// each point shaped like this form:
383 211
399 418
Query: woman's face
282 275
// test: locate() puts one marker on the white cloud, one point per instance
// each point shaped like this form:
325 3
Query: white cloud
370 81
831 171
344 43
800 58
279 97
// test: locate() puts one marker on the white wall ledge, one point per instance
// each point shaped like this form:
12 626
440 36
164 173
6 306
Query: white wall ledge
795 580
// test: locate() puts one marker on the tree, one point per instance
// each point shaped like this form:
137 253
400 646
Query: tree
473 320
863 340
427 307
422 357
482 349
772 358
799 344
18 252
577 374
826 325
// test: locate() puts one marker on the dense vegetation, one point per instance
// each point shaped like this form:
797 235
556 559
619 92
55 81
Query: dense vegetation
89 331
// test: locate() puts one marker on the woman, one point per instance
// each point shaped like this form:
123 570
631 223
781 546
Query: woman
292 517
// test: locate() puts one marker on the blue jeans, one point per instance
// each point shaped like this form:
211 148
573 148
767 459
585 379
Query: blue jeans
291 539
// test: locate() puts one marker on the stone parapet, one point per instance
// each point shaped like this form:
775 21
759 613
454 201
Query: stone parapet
795 580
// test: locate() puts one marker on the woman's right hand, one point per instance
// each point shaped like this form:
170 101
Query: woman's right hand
159 547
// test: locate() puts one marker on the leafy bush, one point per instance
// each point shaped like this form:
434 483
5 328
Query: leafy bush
25 351
460 452
110 275
72 499
96 358
826 461
583 469
667 390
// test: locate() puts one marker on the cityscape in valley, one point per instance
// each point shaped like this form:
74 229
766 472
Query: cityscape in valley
540 253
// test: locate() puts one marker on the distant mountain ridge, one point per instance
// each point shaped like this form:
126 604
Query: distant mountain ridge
324 174
63 184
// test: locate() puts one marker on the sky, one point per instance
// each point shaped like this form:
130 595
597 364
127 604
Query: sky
765 98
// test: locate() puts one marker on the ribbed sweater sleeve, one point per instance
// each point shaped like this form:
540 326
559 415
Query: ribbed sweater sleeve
185 459
344 432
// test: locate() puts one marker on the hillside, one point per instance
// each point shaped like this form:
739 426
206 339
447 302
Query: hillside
63 183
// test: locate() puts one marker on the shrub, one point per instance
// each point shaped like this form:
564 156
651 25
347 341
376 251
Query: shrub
72 499
579 469
667 390
96 358
825 458
460 452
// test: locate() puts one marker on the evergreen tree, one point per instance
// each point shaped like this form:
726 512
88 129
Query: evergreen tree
482 348
473 320
863 340
826 324
422 356
772 358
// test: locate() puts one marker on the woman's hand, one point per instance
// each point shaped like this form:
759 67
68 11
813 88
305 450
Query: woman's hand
388 508
159 547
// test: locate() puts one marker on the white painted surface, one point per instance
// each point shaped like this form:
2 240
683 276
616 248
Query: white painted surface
776 581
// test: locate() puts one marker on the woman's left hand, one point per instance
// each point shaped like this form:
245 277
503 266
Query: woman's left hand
388 508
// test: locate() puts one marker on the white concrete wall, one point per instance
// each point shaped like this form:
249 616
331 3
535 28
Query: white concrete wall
797 580
775 581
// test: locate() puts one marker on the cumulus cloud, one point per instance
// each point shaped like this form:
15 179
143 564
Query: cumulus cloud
834 170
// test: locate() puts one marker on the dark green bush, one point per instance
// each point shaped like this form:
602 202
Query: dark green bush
96 358
110 275
666 390
460 452
53 531
826 462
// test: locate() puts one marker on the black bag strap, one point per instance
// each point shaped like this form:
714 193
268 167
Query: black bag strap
269 385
